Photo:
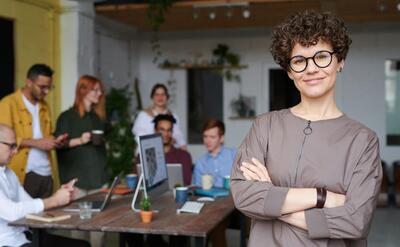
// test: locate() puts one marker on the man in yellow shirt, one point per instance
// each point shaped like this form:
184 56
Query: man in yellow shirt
28 114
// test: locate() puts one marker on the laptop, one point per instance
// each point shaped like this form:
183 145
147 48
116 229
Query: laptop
97 206
175 174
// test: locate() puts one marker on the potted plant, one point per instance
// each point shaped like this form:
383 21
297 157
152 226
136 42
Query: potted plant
146 214
120 142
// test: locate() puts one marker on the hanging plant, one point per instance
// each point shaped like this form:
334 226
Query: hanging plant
156 15
224 57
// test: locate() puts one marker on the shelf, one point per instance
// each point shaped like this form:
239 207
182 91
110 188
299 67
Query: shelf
242 118
200 66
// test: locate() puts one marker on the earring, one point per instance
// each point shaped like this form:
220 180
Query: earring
340 69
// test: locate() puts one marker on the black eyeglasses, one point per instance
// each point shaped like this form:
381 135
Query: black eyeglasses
322 59
12 146
45 87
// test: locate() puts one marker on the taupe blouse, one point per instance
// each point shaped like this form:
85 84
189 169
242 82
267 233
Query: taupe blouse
339 154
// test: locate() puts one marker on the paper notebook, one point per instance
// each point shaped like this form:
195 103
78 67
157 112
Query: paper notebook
214 192
48 217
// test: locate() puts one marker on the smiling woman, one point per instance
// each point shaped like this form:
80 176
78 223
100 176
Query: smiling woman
308 175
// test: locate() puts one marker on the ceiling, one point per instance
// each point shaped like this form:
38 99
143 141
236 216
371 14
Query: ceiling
185 15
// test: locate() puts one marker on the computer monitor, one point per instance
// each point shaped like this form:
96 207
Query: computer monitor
153 165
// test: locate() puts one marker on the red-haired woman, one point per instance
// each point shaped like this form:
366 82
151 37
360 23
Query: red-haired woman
80 158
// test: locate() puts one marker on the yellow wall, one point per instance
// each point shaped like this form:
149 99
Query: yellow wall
36 39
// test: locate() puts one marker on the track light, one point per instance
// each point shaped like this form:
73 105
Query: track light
229 12
246 13
212 15
195 15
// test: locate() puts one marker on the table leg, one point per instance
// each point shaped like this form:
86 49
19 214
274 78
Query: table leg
200 241
36 236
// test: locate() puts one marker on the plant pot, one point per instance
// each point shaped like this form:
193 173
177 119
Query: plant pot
146 216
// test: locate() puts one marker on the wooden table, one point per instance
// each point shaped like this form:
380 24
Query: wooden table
119 217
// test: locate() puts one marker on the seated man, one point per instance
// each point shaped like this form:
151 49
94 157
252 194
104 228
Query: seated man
219 159
163 124
16 203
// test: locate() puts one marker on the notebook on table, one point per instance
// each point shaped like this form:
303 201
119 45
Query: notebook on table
97 206
213 192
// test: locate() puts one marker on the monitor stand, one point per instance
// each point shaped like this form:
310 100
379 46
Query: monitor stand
140 185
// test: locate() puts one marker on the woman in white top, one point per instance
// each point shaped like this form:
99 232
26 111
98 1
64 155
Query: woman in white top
144 121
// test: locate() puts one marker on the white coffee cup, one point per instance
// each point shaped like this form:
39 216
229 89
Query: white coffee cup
207 181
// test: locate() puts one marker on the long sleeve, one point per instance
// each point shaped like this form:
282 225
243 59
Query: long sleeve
197 173
143 125
177 133
12 210
352 220
259 200
61 125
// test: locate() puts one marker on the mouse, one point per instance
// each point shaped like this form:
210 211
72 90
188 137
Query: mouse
205 199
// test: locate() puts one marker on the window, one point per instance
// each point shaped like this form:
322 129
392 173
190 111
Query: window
392 98
205 100
282 91
7 57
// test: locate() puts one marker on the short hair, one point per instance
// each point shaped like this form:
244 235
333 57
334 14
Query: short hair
212 123
163 117
307 28
157 86
39 69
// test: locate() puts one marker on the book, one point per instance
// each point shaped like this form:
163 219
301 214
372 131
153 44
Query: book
48 217
213 192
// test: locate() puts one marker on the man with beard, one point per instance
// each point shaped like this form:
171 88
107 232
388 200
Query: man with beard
28 114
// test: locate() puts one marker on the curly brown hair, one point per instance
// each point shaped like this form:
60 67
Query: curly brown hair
307 28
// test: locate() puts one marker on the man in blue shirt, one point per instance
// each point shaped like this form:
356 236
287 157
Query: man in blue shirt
219 159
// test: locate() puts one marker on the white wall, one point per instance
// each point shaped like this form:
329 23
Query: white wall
360 87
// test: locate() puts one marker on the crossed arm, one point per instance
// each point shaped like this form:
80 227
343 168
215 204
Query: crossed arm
297 199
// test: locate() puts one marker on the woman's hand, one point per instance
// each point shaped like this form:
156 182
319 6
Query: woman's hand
255 171
85 137
334 200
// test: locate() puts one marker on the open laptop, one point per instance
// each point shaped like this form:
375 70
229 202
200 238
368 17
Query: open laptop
175 174
97 206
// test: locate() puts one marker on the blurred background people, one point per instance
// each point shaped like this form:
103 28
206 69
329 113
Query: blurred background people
163 124
218 160
143 123
16 203
28 114
80 157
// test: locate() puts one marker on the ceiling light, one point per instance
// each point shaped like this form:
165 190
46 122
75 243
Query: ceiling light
246 13
229 13
212 15
195 15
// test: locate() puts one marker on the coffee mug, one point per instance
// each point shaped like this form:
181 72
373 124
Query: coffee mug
131 180
97 137
181 194
227 180
207 181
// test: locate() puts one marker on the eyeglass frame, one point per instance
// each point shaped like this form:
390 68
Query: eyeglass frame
45 88
313 58
12 146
